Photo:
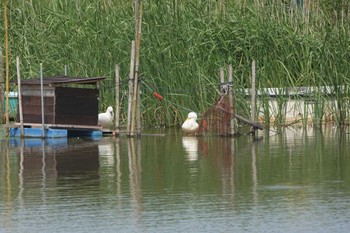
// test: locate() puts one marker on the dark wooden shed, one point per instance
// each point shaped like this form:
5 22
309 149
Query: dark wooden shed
70 101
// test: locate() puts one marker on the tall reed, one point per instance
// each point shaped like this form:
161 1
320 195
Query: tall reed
184 44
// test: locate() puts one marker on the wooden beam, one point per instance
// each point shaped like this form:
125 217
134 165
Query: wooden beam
245 120
38 125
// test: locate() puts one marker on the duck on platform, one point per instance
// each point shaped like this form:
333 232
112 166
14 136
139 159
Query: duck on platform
106 118
190 125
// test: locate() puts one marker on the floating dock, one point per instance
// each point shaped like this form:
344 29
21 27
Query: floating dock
55 131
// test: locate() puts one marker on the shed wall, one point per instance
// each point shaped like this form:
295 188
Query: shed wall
31 104
62 105
76 106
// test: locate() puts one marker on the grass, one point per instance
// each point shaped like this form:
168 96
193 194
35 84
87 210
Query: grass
184 44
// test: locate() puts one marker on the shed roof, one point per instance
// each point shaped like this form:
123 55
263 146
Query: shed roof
62 80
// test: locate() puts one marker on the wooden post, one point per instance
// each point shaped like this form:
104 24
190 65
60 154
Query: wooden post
222 81
253 97
2 91
19 94
223 92
138 100
116 69
135 105
7 68
42 100
138 110
131 83
231 103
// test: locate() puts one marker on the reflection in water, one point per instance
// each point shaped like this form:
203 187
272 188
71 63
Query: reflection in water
118 171
43 172
107 151
9 204
239 184
254 173
190 144
54 164
228 171
20 175
134 156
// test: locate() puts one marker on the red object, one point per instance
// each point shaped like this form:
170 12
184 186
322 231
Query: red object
205 125
158 96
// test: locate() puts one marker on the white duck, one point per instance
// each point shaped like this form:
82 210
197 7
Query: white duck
190 125
105 118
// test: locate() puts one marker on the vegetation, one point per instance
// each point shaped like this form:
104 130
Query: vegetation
184 44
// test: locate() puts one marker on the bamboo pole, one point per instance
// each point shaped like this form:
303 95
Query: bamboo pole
42 100
131 83
19 94
7 68
230 99
116 68
136 18
253 96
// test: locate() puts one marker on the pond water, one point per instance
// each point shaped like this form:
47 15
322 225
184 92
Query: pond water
295 181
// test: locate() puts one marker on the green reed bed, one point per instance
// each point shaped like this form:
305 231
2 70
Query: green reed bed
184 44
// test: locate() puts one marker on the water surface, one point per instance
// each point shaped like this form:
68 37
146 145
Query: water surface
296 181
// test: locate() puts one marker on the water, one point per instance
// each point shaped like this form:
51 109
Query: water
297 181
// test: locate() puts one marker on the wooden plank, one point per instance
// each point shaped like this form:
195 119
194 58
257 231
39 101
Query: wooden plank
76 119
35 100
70 126
245 120
63 80
249 122
76 92
76 106
76 99
36 118
36 109
32 109
35 91
74 111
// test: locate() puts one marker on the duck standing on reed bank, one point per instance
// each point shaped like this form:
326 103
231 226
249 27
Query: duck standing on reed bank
106 118
190 125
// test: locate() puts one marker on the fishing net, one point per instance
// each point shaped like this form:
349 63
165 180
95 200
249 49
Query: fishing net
216 120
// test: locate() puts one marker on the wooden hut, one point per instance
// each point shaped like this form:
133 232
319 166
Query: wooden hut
69 102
